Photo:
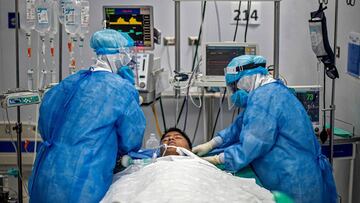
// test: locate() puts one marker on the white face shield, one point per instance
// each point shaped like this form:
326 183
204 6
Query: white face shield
231 88
118 60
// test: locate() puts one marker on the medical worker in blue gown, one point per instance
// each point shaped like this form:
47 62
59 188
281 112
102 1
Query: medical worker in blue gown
273 134
86 121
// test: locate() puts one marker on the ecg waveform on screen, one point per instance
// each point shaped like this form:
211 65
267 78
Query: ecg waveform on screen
131 32
122 21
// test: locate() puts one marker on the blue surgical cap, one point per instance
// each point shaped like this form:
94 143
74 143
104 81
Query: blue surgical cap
238 61
109 41
259 61
244 60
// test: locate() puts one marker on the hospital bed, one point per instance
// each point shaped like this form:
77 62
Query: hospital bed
248 172
247 175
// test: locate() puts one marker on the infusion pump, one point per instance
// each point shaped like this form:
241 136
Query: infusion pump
147 73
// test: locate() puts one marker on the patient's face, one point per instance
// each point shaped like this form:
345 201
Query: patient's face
176 139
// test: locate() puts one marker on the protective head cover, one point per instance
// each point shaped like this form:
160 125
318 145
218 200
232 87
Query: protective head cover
114 51
241 77
259 61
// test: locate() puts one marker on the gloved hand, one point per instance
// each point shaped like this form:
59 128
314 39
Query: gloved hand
126 161
205 148
216 160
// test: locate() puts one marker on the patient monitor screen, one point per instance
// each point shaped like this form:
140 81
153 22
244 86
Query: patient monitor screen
310 101
136 21
218 57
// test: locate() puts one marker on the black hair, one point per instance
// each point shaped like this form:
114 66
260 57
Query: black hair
179 131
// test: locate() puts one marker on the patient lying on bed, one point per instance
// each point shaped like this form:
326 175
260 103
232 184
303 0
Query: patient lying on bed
187 178
174 137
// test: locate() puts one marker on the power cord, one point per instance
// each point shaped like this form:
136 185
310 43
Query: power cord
247 20
15 148
193 64
237 22
218 20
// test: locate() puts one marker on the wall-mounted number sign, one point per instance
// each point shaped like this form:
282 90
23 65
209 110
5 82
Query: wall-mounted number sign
242 14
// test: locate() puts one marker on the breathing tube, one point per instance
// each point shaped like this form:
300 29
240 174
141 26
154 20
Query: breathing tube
126 160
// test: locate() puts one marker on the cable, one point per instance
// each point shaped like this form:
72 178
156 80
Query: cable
237 22
218 113
247 19
193 102
177 110
197 124
283 79
193 69
15 148
162 114
169 63
191 98
156 119
218 20
223 97
194 59
188 92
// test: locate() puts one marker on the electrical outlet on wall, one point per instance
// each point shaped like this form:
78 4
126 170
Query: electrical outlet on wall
169 41
193 40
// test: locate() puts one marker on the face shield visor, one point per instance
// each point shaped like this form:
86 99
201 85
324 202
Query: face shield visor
231 87
123 58
238 85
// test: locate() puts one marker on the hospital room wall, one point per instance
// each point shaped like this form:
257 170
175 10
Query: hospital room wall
297 61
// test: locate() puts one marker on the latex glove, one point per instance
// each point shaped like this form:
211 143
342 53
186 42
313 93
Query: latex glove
126 161
205 148
216 160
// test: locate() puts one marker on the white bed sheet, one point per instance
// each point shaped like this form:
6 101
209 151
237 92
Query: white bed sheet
183 179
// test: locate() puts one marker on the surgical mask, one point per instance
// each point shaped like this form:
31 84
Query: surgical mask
240 98
126 73
238 91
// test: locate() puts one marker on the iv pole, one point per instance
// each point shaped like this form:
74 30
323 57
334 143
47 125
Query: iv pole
332 105
18 126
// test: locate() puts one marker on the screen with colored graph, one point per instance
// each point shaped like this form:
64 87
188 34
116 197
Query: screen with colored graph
137 21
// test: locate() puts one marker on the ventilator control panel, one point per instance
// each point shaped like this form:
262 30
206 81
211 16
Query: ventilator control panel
142 70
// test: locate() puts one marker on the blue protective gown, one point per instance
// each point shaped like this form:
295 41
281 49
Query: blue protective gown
275 136
85 122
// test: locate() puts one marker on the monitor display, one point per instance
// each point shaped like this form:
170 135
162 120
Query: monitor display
137 21
219 55
310 101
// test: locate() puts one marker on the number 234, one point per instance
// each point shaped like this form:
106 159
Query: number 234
254 15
